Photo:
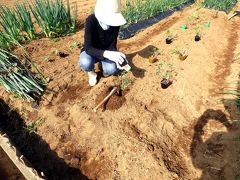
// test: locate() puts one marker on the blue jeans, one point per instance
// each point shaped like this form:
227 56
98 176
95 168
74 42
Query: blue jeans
87 62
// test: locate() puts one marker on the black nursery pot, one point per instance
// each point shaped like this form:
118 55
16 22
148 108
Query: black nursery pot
165 83
169 40
119 92
197 38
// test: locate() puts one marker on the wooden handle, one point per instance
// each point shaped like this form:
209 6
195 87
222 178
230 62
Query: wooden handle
105 99
234 14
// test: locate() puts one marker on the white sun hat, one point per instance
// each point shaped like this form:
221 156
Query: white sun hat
109 12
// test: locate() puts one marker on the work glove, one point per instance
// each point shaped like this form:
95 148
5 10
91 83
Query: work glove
117 57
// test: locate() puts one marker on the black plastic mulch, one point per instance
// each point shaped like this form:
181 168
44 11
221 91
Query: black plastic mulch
132 29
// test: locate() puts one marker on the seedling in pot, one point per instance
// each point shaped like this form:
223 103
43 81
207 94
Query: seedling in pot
154 53
165 70
165 83
215 15
197 35
170 37
182 55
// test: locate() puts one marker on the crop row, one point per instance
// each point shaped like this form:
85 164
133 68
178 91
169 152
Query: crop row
52 17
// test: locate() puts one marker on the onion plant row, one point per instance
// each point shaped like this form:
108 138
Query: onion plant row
18 79
137 10
52 16
223 5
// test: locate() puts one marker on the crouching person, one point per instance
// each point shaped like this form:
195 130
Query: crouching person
100 40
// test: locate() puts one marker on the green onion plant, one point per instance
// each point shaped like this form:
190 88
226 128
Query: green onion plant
222 5
18 79
25 20
54 18
137 10
10 24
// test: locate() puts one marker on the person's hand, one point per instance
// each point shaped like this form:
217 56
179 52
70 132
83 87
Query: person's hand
116 57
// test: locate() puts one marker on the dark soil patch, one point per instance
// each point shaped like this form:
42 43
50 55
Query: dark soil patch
115 102
74 92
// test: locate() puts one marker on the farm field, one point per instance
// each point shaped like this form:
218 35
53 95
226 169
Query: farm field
189 131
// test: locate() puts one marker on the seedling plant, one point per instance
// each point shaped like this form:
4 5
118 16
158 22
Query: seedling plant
153 55
32 126
166 72
181 55
170 37
197 34
123 82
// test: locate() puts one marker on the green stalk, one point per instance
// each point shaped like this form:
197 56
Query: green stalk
53 17
18 80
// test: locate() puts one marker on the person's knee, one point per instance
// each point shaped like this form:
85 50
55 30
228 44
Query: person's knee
86 62
111 69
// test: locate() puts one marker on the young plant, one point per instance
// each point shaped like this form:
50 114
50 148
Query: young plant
176 51
154 53
197 33
165 70
182 55
54 18
75 45
123 81
215 15
170 37
32 126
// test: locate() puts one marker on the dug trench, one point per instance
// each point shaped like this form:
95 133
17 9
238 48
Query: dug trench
150 134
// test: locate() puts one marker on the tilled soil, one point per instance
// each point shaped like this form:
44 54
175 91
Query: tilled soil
188 131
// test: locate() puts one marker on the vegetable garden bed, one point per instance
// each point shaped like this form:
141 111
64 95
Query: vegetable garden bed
185 131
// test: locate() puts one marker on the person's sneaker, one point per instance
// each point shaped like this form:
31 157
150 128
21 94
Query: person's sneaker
92 78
